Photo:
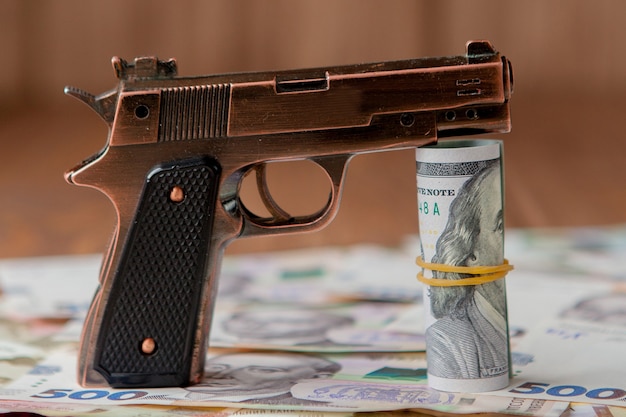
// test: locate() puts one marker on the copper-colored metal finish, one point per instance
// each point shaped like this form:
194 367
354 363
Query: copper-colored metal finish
177 194
148 346
242 121
275 210
357 97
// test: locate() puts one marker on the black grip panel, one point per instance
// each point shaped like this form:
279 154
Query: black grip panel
149 323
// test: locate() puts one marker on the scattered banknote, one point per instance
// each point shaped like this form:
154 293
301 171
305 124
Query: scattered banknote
376 273
345 327
567 342
17 359
577 358
245 378
595 253
293 276
55 286
288 380
461 221
303 276
86 410
593 410
320 275
354 393
551 295
13 350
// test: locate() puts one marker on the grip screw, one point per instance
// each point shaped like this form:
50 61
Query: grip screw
177 194
148 346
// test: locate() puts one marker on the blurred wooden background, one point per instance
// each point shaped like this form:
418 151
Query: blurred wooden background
565 158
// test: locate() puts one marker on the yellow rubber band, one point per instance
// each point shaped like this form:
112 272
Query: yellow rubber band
483 274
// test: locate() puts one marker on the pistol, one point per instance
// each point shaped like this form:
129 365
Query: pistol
178 149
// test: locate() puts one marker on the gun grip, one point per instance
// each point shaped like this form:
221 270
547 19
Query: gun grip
150 317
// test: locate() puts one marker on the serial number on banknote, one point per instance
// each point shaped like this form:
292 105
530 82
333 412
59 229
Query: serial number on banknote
429 209
560 391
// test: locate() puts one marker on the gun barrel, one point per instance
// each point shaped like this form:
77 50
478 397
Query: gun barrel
262 103
352 100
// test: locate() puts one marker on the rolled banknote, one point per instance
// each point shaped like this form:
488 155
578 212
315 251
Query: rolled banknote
461 223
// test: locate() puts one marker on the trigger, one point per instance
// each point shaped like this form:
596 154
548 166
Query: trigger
271 205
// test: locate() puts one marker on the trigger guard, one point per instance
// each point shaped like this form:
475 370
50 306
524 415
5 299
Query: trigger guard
253 220
255 225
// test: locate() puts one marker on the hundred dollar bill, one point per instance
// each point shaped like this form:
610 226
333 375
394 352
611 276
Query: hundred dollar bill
461 223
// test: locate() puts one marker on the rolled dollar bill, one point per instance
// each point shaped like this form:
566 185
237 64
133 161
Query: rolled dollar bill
461 225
